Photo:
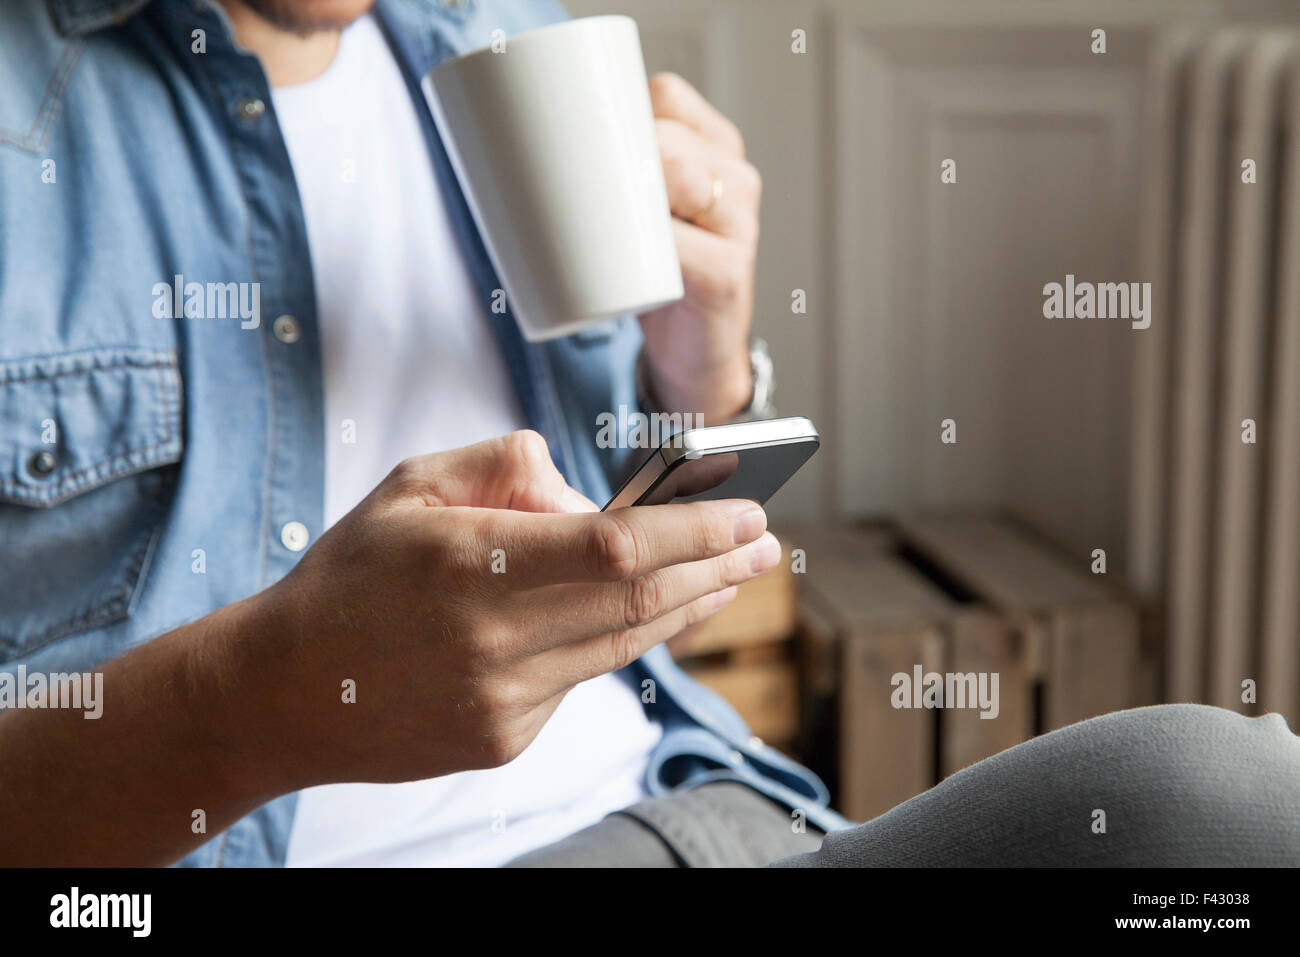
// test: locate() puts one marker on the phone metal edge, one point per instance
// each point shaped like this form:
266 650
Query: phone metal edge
720 438
639 481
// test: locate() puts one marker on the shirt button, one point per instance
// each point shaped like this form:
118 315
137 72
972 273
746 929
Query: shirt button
286 329
250 108
294 536
756 743
42 464
737 758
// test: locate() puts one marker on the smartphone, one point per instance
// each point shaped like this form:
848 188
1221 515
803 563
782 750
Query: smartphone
742 460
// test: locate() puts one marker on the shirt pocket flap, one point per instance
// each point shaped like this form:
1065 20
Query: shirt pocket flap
73 422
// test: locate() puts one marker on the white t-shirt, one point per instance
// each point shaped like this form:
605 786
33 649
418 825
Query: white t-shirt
411 366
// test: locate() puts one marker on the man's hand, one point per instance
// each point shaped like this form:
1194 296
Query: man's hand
465 597
698 348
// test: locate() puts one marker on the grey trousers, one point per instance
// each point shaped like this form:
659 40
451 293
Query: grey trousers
1169 786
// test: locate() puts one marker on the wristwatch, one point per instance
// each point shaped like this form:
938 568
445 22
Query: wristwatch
761 369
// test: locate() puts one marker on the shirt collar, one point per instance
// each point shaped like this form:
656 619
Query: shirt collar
78 17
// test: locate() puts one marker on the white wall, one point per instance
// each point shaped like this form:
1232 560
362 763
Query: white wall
925 300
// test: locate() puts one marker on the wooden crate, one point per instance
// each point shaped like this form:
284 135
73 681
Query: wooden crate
966 594
1083 636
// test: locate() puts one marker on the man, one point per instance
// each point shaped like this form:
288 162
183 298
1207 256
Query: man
265 445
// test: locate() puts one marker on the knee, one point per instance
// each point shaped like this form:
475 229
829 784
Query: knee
1177 785
1196 736
1223 787
1194 744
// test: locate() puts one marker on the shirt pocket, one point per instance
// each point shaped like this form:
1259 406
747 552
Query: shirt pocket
89 444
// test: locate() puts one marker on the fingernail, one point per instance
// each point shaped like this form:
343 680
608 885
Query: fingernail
750 524
765 554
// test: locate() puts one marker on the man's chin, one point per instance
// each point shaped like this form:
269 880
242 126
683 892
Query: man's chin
305 17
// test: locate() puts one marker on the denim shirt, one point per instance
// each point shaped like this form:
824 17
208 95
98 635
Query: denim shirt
148 464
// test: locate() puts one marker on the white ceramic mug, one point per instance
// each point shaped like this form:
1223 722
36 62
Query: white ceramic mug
553 141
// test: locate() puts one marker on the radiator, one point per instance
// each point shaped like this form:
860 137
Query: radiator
1214 520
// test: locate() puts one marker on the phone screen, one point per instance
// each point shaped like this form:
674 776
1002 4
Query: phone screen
754 473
